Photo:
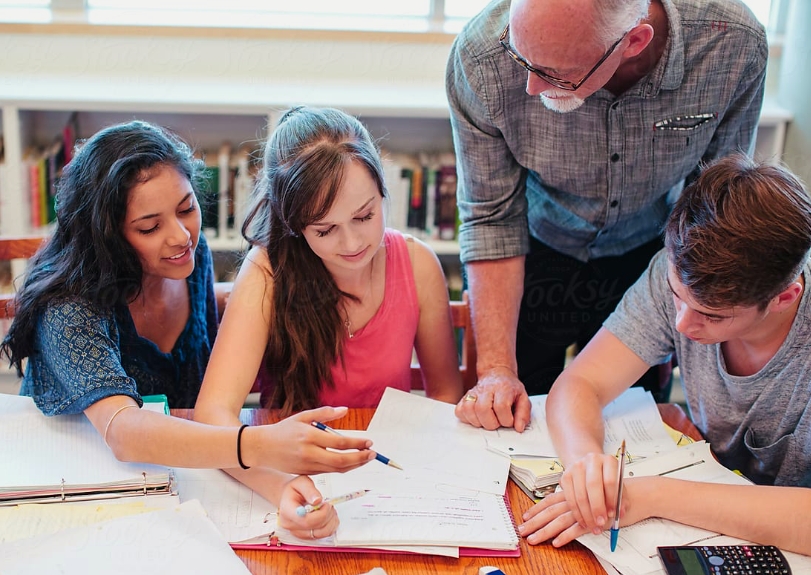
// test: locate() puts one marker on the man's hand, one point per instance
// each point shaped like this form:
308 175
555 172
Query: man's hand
498 400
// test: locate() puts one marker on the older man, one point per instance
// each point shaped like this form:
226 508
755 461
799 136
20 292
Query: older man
576 125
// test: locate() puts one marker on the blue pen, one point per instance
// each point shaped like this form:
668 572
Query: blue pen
615 527
382 459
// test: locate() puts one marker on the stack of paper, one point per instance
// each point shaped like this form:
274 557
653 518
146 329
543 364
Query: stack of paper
632 417
449 493
176 540
414 510
535 474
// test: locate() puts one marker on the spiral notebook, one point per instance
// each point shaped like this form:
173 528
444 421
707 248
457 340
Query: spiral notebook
63 458
436 515
248 521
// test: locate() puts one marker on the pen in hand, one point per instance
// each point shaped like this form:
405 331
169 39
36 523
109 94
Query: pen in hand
382 459
615 527
303 510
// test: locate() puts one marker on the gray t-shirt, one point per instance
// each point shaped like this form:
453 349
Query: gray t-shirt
758 424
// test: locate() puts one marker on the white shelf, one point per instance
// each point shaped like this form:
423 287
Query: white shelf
771 133
215 96
216 87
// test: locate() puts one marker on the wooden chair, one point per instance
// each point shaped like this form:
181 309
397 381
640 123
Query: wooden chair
460 314
12 248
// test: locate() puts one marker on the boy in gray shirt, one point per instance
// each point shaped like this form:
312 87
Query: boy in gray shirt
727 295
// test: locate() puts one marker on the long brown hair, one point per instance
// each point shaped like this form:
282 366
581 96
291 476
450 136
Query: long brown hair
304 163
740 234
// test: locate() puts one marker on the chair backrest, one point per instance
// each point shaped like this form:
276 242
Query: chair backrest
12 248
460 315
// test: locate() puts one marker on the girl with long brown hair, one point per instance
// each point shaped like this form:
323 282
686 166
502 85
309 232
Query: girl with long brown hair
329 304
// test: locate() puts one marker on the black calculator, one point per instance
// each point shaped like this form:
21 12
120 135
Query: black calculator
724 560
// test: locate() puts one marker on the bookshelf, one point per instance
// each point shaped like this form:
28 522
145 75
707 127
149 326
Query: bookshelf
215 85
206 132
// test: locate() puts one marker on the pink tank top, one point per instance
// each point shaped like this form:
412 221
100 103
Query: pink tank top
379 355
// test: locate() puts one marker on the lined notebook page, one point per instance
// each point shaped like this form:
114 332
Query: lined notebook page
426 513
39 451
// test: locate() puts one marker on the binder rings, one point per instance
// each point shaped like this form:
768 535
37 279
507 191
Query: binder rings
63 458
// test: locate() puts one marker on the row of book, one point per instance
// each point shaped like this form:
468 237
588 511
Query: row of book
42 170
229 178
422 194
421 188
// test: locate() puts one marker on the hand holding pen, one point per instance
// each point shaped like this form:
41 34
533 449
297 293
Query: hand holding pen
293 446
615 526
305 509
381 458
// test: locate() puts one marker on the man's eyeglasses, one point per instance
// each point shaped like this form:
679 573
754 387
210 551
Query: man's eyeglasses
556 82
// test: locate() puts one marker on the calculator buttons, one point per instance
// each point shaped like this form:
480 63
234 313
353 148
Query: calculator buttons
744 560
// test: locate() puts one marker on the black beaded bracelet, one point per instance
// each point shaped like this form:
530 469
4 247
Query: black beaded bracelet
239 446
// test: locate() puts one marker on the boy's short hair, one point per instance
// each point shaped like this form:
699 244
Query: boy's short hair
740 233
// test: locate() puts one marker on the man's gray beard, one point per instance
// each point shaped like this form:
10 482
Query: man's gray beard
562 106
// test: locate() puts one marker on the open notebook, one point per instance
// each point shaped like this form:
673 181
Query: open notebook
63 458
431 519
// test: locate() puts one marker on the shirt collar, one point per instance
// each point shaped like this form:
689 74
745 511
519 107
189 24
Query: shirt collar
669 71
674 51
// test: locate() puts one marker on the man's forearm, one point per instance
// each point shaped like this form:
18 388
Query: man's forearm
496 288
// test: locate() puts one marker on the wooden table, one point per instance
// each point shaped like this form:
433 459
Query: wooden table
573 559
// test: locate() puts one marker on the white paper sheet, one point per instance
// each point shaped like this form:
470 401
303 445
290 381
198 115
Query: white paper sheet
239 513
22 521
633 416
179 540
408 511
425 437
48 451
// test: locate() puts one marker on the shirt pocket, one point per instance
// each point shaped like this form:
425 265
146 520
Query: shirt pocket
678 143
771 461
